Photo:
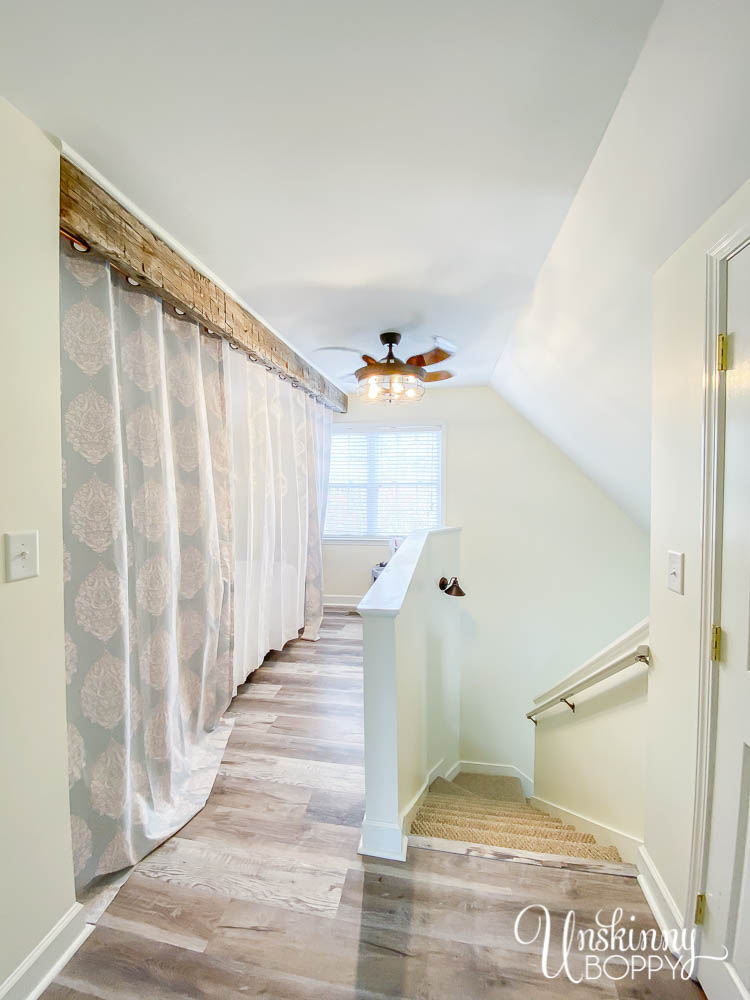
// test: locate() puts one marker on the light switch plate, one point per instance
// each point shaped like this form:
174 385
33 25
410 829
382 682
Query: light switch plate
21 555
676 572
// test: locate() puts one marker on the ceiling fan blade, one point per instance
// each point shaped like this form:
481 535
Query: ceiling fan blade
438 376
368 359
432 357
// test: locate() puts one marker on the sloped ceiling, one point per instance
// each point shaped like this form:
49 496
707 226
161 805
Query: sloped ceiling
507 175
344 167
578 363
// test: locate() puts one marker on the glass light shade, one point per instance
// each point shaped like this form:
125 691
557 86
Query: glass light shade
395 388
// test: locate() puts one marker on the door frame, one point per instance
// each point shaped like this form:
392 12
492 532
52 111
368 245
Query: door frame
714 410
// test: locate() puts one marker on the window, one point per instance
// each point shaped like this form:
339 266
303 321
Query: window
384 481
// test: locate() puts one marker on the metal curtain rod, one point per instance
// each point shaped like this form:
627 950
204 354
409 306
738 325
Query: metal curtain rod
82 247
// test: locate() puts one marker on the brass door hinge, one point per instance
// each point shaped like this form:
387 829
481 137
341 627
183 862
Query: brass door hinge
700 908
716 643
722 353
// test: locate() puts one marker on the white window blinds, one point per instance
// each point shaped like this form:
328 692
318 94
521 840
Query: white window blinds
384 481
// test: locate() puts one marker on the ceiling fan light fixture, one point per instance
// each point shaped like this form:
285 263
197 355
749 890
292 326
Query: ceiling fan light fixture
392 380
391 387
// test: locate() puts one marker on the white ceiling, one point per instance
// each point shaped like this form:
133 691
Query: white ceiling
579 362
345 167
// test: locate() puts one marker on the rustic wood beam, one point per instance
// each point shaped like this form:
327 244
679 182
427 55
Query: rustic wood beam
92 215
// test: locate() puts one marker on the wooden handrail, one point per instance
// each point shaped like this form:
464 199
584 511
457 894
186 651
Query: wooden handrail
640 655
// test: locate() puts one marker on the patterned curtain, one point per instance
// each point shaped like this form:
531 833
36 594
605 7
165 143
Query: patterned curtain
151 518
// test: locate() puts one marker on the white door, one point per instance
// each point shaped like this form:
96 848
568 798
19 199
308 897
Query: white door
727 921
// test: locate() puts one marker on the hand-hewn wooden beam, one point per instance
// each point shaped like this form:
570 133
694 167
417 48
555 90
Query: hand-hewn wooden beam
95 217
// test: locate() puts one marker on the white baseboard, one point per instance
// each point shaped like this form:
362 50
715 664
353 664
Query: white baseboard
483 767
388 840
407 813
628 846
382 840
342 602
42 964
663 906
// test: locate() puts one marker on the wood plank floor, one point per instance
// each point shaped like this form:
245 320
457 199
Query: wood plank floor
264 895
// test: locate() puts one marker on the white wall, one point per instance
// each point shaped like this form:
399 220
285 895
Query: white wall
676 498
349 568
676 147
590 766
553 570
36 872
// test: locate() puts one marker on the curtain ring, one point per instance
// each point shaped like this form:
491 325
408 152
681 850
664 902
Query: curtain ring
77 244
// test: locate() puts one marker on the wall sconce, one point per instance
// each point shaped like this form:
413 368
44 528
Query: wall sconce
451 587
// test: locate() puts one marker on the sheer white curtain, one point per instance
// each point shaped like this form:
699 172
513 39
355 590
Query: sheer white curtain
279 462
192 546
319 461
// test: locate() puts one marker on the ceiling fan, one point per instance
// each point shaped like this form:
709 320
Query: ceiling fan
391 380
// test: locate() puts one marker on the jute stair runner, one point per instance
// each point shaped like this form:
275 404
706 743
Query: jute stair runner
490 808
455 812
511 824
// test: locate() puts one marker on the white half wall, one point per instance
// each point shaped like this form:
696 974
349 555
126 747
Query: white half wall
36 872
412 666
552 568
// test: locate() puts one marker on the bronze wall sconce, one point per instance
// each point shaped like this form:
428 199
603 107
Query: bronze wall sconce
451 587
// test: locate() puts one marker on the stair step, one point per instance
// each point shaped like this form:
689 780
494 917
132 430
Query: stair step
560 862
527 829
491 810
494 808
484 819
476 802
444 787
499 826
492 786
513 841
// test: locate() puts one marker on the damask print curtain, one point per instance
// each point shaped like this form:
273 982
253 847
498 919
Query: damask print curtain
151 521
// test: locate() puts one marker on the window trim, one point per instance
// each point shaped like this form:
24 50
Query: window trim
368 426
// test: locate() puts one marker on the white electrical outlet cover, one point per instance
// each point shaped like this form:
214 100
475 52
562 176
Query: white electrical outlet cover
21 555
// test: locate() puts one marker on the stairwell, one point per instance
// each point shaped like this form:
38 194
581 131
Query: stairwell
492 810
